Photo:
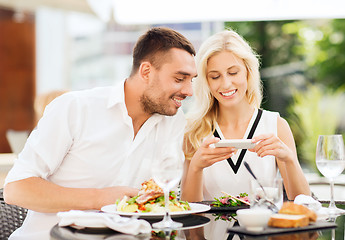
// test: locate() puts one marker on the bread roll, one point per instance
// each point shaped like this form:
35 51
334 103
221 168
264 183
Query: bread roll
288 221
292 208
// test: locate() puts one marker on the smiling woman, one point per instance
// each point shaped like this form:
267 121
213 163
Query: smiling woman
224 71
228 97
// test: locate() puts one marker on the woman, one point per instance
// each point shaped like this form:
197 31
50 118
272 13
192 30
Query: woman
228 96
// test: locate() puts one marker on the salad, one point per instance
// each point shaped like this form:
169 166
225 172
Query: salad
150 199
231 201
225 216
161 235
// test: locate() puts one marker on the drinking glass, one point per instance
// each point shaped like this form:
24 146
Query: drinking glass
273 189
167 172
331 163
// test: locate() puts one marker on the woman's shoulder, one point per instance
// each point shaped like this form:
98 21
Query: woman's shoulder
268 113
274 118
269 121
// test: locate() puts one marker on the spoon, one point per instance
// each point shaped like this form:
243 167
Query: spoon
271 204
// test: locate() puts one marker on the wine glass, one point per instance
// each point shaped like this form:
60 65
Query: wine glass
167 172
331 163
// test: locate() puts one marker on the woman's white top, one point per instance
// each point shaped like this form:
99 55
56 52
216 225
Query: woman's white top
86 140
221 177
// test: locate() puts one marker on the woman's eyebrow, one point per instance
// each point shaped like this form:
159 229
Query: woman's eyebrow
229 68
234 66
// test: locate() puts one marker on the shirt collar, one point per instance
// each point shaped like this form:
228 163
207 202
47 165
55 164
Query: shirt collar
117 95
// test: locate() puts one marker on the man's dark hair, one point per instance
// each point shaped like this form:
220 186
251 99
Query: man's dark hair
155 43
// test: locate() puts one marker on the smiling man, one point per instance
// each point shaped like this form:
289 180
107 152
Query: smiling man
94 146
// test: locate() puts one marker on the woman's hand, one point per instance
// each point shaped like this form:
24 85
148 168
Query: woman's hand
269 144
283 148
207 155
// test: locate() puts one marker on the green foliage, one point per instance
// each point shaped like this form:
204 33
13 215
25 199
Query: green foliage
329 67
314 112
269 40
321 44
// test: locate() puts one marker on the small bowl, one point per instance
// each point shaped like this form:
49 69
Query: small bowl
253 219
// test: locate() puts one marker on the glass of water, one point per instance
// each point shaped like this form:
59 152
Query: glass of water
273 190
331 163
167 173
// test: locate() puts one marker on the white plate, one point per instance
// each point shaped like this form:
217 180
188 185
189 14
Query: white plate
195 208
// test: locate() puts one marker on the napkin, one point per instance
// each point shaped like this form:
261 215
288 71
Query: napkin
83 219
312 204
308 201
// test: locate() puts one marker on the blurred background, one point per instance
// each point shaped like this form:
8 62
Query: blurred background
49 45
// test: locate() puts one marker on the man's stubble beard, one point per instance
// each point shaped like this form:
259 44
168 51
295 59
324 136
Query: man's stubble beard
159 105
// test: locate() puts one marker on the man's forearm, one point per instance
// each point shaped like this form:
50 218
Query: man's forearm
43 196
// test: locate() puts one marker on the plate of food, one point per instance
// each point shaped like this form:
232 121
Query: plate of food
227 202
149 203
194 208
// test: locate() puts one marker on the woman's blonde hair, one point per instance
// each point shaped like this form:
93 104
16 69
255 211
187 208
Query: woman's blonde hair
203 115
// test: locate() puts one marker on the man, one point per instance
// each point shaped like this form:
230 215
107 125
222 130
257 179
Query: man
94 146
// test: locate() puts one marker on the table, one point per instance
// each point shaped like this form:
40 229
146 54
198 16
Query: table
211 225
